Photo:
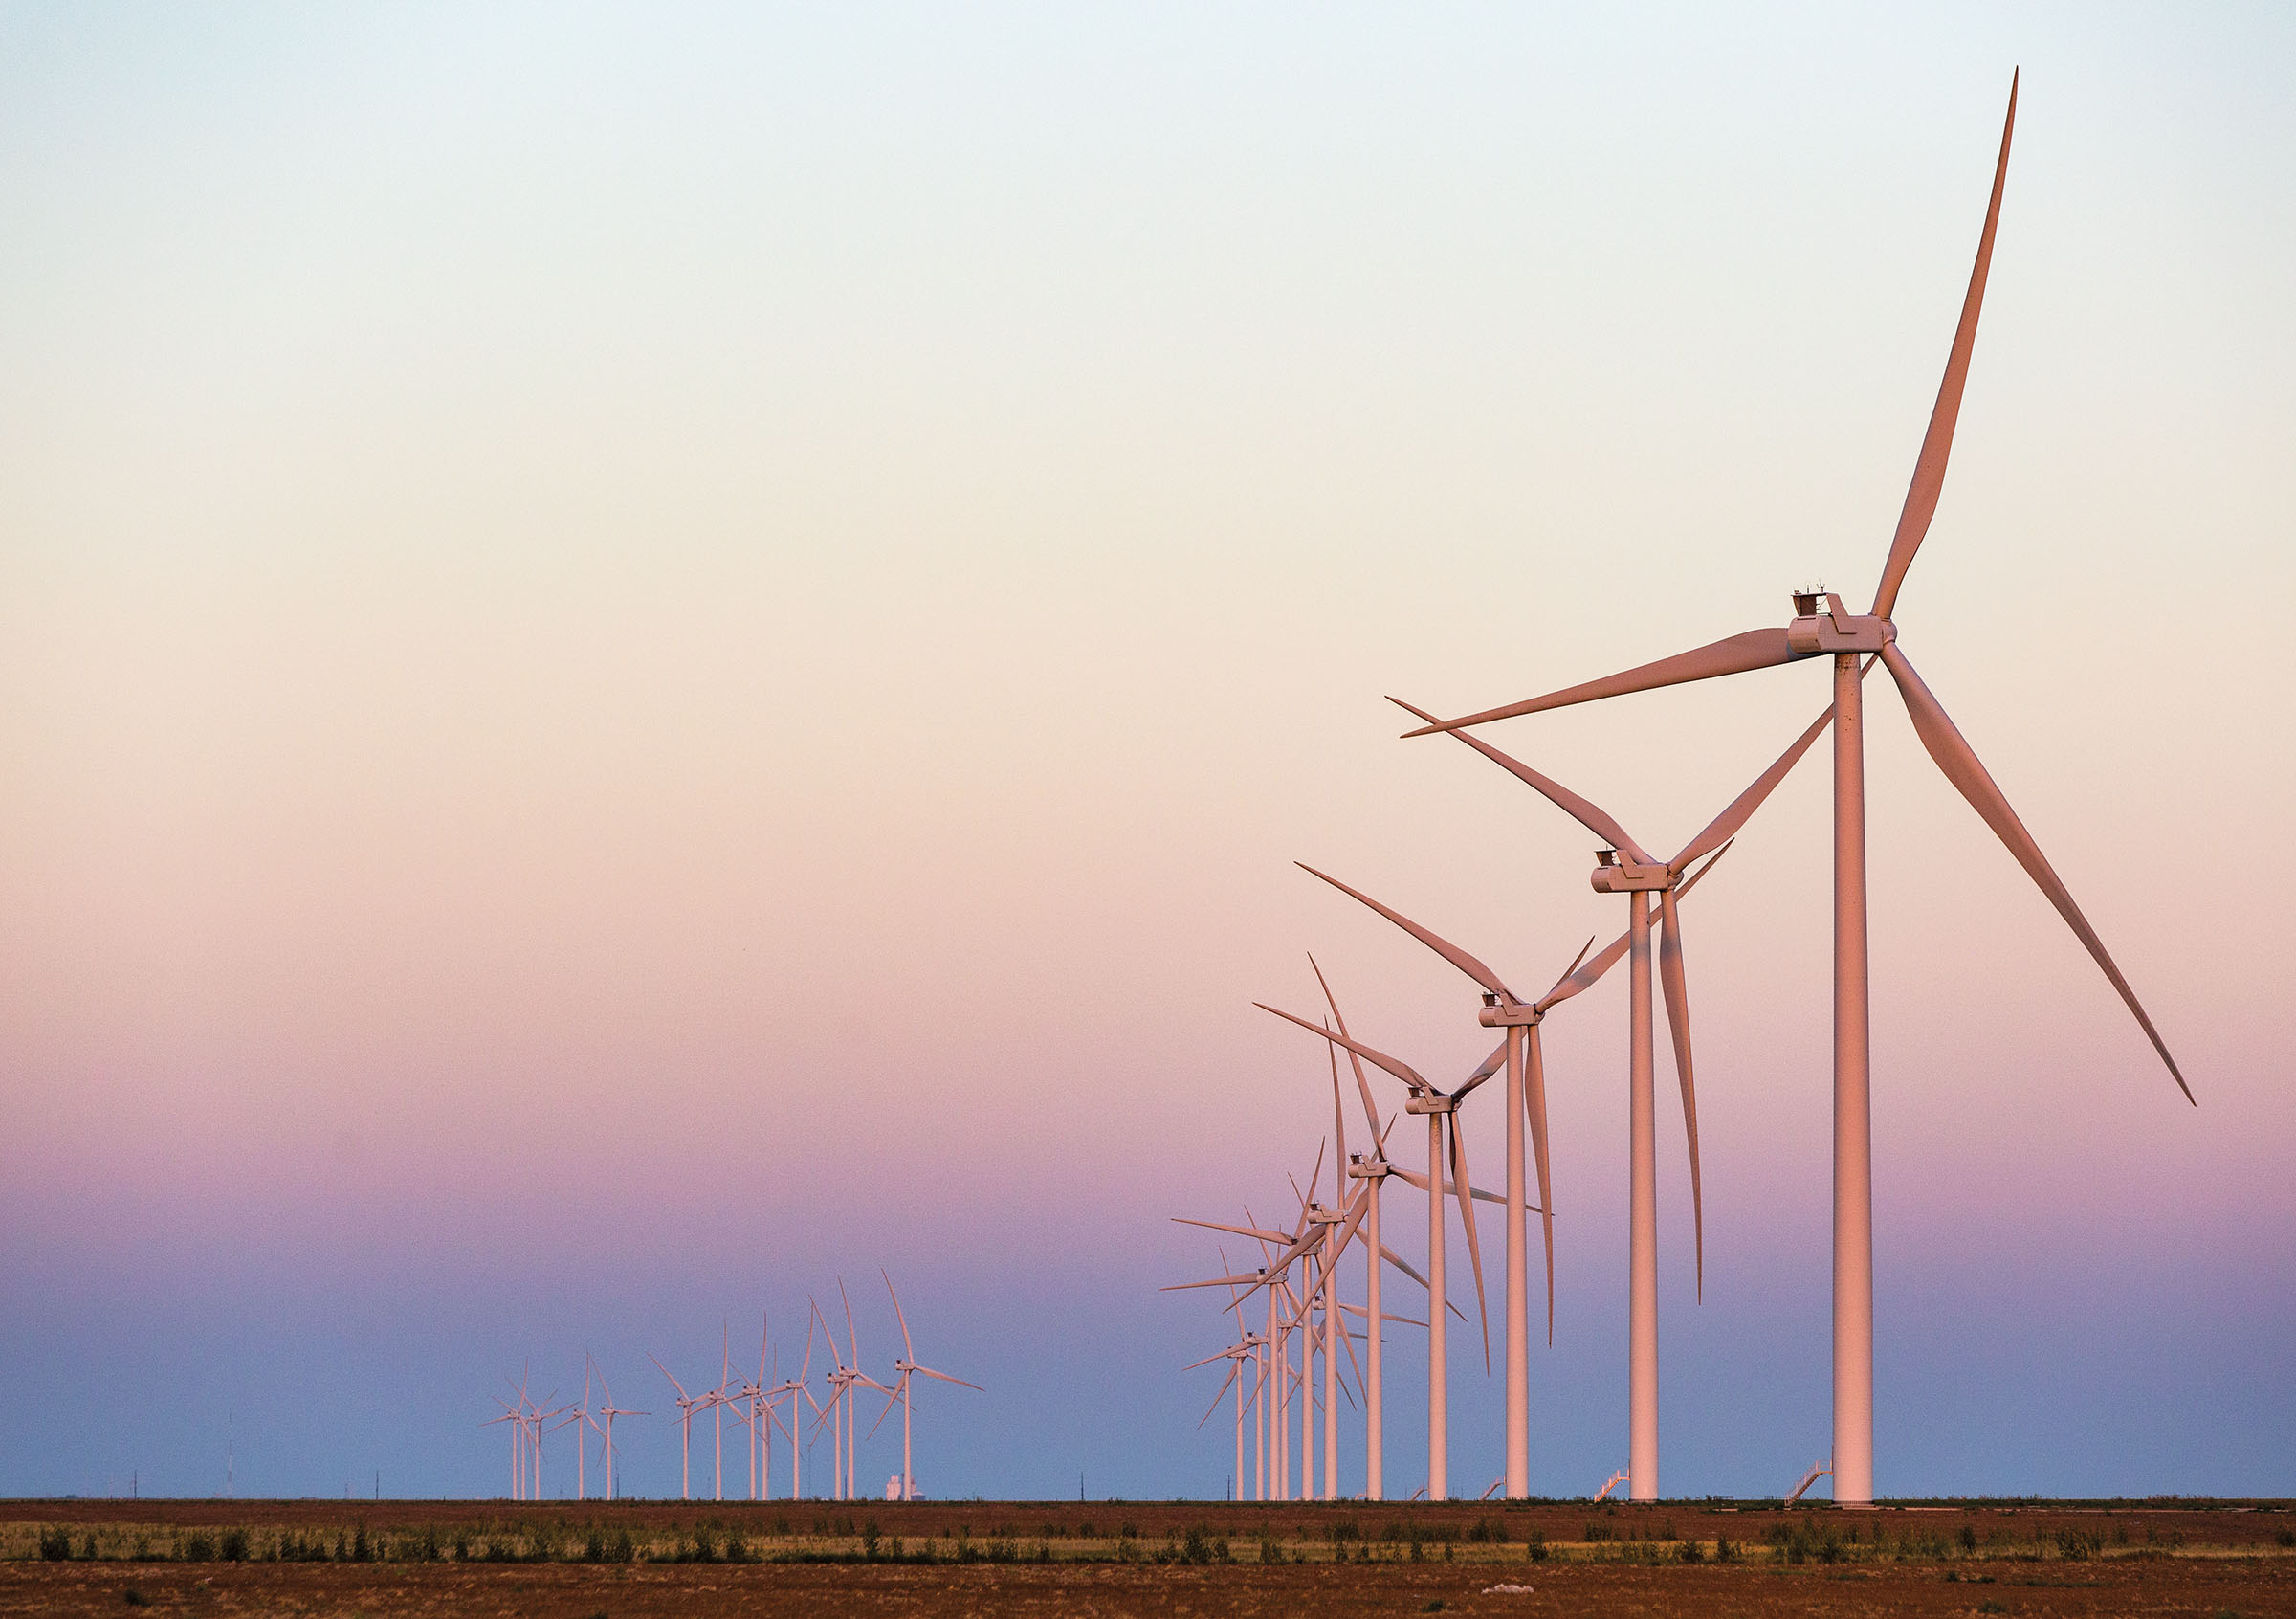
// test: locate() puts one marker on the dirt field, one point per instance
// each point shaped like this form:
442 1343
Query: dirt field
959 1558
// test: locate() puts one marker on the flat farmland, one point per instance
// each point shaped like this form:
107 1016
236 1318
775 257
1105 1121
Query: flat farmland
957 1558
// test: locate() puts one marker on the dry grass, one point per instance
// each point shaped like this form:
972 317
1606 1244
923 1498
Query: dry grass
1142 1558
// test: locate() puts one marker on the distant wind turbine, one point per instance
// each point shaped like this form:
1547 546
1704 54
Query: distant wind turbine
907 1368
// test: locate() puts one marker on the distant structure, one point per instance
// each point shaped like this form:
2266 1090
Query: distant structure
766 1408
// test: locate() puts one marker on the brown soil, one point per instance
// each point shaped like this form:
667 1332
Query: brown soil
2183 1558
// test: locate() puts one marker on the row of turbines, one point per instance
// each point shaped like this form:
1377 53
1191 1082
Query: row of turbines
765 1406
1299 1266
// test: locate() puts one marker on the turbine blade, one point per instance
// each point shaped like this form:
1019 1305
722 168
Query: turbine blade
1929 470
1443 948
946 1377
1239 1231
1588 814
1393 1258
1586 977
1395 1066
1371 1109
1234 1367
1725 826
1962 766
1239 1280
1534 1104
1461 1181
1677 992
1485 1069
1338 1113
1575 963
890 1400
908 1349
1349 1340
1734 655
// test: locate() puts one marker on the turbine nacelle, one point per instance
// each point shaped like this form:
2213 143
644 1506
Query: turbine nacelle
1431 1103
1512 1014
1834 628
1615 876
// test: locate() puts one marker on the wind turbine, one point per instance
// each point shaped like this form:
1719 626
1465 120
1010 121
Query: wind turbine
1237 1355
518 1444
1245 1351
1439 1106
794 1387
578 1420
1522 1020
855 1379
845 1380
689 1406
1371 1170
535 1421
606 1430
1832 631
747 1395
719 1402
908 1367
1281 1250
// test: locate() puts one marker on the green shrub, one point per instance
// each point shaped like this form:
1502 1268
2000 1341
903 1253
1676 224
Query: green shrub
233 1549
1269 1551
1595 1531
1725 1551
195 1547
1534 1547
133 1597
55 1545
1691 1551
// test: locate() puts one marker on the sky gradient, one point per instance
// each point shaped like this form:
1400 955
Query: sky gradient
649 659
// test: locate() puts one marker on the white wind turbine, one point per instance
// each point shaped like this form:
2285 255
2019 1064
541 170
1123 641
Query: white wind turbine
1237 1355
1276 1381
608 1411
1823 627
793 1390
536 1416
578 1419
907 1368
1262 1345
1438 1107
719 1402
1522 1021
516 1417
750 1406
846 1380
1245 1351
1282 1250
689 1406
